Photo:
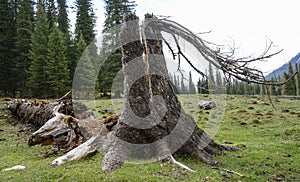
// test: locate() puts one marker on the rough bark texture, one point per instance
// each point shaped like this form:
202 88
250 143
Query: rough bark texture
153 124
64 132
37 113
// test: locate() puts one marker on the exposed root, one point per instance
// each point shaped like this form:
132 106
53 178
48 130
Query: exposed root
90 147
172 160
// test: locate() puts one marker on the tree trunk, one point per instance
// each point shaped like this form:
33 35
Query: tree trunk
59 127
36 114
153 124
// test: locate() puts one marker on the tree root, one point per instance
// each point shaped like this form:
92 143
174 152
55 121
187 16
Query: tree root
172 160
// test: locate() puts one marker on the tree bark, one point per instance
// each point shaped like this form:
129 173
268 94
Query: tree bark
153 124
36 113
59 127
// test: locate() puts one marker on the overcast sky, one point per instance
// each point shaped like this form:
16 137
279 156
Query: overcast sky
248 22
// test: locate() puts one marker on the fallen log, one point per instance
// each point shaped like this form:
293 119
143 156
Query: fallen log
37 113
64 132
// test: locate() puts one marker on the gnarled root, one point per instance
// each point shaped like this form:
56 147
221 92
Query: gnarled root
88 148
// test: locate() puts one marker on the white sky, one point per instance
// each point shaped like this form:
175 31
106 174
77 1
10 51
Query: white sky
247 22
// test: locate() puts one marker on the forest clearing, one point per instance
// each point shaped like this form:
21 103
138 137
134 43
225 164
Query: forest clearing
267 139
139 98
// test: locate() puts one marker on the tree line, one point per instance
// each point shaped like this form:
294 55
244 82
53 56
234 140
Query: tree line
215 83
39 52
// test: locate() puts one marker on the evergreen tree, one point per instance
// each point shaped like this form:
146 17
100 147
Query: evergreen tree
202 86
175 84
219 79
183 89
192 89
211 74
84 82
219 83
57 67
85 21
227 85
7 47
114 11
235 88
63 24
198 86
72 56
247 89
256 89
211 78
25 19
51 12
262 90
290 87
239 89
298 79
38 54
62 17
273 89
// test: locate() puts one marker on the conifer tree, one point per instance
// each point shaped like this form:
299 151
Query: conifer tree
7 47
38 54
183 88
57 67
63 24
51 12
228 86
297 66
290 87
273 89
211 74
84 82
234 87
203 86
219 83
198 86
85 21
218 79
25 20
262 90
114 11
211 78
192 89
62 17
175 83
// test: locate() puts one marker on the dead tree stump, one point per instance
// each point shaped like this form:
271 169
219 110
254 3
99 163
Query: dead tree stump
152 124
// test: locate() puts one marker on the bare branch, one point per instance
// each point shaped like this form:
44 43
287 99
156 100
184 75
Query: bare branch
232 67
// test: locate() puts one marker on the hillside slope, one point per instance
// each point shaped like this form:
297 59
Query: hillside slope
283 68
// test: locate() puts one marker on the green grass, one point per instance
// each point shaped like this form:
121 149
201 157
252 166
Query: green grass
268 140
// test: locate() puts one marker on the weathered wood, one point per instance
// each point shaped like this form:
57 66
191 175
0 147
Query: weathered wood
37 113
64 132
151 101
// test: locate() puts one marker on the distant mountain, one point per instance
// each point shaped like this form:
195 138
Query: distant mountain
283 68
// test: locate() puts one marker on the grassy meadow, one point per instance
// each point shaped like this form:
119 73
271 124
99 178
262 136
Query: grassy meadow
268 140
